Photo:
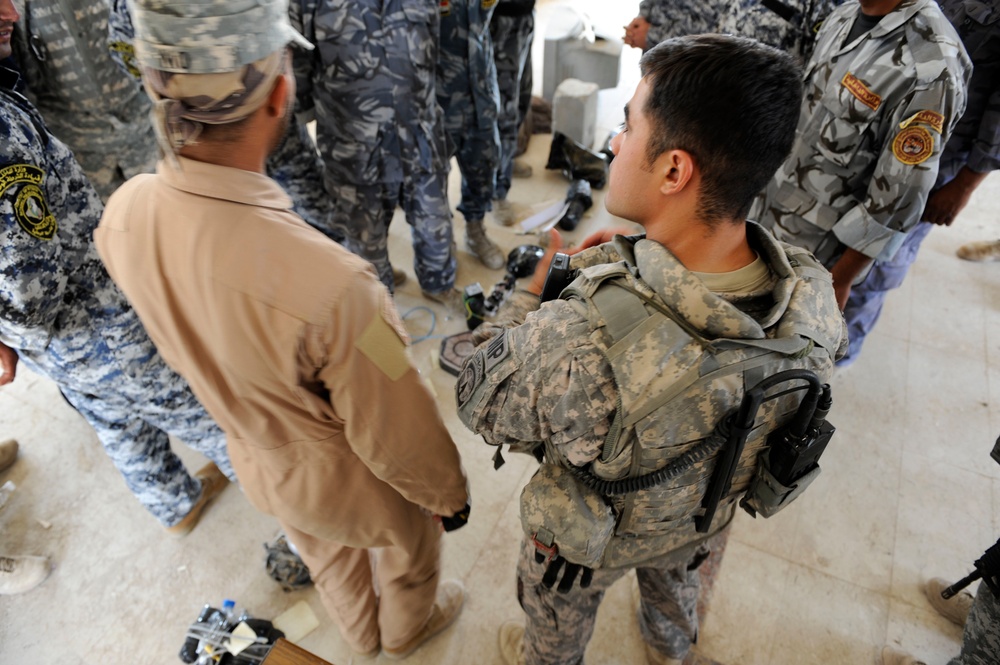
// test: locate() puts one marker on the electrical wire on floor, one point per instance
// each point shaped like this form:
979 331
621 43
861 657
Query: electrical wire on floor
430 333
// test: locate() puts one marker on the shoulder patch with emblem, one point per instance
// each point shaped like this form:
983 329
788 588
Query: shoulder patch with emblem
861 91
444 7
472 375
932 119
127 52
31 210
913 145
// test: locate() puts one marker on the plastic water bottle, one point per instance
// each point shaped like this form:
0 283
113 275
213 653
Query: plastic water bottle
229 612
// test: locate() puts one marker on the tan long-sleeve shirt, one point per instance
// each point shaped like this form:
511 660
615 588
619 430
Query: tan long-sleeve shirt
292 345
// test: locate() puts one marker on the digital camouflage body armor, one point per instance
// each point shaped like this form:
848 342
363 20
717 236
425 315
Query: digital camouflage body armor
680 363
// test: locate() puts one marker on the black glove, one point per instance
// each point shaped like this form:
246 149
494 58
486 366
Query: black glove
458 520
570 573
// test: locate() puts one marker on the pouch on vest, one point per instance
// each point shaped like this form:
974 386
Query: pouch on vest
766 495
563 516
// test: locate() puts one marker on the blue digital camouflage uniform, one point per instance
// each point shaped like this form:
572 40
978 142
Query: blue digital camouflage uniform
791 25
511 29
67 320
468 92
370 83
294 164
875 117
100 113
676 18
975 143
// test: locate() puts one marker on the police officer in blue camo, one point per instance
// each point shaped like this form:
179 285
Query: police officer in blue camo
790 25
972 152
295 164
370 85
511 29
469 94
61 53
663 19
61 315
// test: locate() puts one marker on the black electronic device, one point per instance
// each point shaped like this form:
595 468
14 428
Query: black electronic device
795 447
558 278
475 304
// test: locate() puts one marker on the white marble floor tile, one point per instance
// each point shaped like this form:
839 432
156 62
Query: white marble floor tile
825 620
922 632
945 523
947 410
848 527
747 607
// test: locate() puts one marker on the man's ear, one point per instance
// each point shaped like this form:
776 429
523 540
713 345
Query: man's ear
278 100
677 169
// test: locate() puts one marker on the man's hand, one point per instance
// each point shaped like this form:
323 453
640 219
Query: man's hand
8 364
537 282
636 33
945 204
845 271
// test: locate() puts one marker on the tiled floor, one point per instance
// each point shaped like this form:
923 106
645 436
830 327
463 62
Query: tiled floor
908 491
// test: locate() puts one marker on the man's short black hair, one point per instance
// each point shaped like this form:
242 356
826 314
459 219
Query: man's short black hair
733 104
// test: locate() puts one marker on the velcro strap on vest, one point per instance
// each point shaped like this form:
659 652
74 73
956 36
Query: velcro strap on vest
621 315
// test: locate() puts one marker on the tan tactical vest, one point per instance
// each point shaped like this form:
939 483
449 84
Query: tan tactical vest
674 387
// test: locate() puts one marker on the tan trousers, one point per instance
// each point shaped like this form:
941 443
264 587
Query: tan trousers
376 596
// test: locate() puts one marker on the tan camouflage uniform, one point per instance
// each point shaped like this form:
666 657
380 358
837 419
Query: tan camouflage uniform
549 384
876 115
100 112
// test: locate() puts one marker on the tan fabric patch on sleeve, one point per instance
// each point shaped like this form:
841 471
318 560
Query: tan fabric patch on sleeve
380 342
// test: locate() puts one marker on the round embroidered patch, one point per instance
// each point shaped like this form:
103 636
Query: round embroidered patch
913 145
32 212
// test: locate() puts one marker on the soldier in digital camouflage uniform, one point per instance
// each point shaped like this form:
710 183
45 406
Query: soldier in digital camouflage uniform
883 93
469 95
575 380
972 152
790 25
512 30
99 112
663 19
379 130
65 319
295 165
979 616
